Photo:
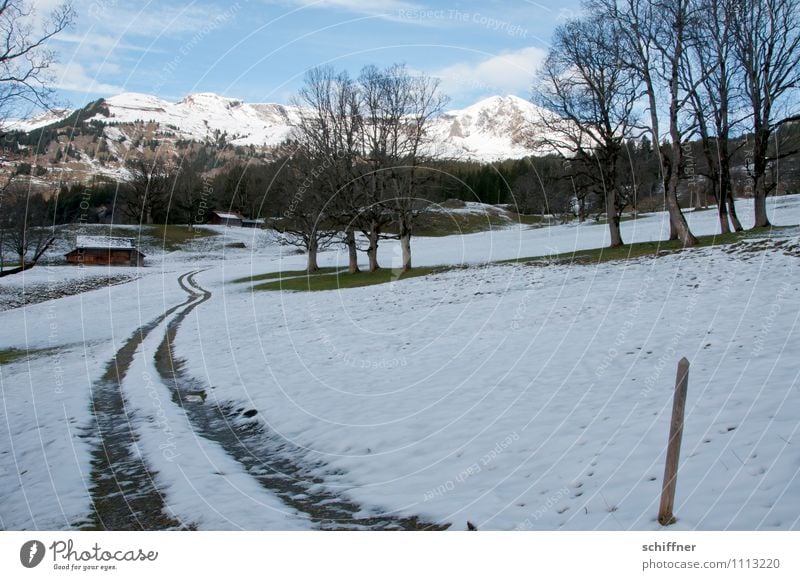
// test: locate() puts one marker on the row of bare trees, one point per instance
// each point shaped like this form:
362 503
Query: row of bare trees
673 70
357 167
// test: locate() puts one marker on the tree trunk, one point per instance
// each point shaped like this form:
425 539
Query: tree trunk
673 230
760 205
760 145
718 188
722 210
312 256
726 188
676 217
737 225
612 216
372 251
352 251
678 224
405 245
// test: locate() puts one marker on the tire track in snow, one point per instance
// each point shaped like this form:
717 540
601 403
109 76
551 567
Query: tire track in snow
124 492
273 462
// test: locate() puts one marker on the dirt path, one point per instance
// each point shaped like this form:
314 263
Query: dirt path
275 463
124 493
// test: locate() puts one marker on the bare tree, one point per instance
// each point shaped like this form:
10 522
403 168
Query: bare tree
189 193
713 99
402 106
25 59
380 139
305 221
654 36
149 191
26 227
327 129
396 108
586 84
767 47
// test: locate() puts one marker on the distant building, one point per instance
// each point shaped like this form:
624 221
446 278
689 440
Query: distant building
105 251
257 223
221 218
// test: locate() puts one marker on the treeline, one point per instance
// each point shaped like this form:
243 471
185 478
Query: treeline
723 72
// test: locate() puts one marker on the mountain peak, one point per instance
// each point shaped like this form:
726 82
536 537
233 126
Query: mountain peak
209 99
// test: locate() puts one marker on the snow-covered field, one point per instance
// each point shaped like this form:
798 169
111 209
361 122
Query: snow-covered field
515 397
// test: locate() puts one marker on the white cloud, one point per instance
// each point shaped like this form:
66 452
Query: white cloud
73 77
101 43
150 19
505 73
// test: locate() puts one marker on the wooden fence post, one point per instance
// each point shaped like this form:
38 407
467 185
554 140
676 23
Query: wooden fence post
665 516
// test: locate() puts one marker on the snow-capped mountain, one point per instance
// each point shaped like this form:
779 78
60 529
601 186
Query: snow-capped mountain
200 115
39 121
492 129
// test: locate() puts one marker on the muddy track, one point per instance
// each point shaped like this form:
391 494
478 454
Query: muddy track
124 493
275 463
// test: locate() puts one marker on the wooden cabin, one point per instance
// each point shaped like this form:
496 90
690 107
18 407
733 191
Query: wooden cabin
105 251
221 218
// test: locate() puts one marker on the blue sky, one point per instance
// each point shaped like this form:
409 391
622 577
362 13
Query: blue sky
258 50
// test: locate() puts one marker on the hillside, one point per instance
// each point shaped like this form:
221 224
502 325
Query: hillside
94 141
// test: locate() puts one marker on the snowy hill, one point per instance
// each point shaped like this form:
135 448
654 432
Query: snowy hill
492 129
38 121
200 115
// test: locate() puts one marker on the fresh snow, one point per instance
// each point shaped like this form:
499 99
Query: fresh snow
227 216
104 242
38 121
515 397
198 116
492 129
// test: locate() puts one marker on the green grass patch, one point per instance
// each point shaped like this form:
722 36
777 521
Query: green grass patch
529 220
175 237
626 218
13 355
342 280
643 249
439 224
277 275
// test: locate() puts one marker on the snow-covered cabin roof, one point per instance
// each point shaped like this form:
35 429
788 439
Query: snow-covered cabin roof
227 216
103 242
